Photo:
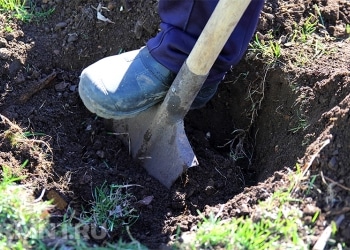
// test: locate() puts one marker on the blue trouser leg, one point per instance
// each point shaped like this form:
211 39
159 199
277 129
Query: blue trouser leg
182 21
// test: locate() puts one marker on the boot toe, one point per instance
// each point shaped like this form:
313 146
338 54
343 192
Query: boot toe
122 86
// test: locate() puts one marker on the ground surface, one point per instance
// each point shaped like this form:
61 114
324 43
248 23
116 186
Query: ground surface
290 109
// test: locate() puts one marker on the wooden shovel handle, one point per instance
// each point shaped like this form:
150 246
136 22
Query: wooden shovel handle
215 34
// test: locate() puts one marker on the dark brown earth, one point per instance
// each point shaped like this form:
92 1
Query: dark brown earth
271 116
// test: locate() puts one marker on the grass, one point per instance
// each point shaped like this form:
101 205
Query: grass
276 223
304 37
25 223
301 125
302 33
271 228
112 208
308 28
21 217
25 220
72 235
8 29
21 11
268 50
347 29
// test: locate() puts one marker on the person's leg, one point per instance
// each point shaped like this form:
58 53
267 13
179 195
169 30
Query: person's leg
121 86
177 37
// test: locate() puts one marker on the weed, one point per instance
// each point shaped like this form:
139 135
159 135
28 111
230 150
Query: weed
308 28
237 146
315 217
112 208
276 49
301 59
302 33
270 50
10 4
302 124
347 29
318 13
310 184
20 10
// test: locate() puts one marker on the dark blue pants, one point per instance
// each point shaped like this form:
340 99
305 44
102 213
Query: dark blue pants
182 23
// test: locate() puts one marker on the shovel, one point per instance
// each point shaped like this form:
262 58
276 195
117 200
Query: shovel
156 137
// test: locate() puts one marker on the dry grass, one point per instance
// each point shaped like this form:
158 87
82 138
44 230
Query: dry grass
29 154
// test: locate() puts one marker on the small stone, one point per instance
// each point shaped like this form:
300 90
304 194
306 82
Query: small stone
5 53
183 226
19 79
35 74
332 163
3 42
208 135
101 154
245 209
288 44
269 16
188 237
310 209
60 87
9 37
283 39
307 220
72 37
73 88
260 36
111 5
60 25
14 67
209 190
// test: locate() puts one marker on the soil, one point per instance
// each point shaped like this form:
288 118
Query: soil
264 120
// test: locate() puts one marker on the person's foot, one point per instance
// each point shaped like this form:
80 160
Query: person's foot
122 86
